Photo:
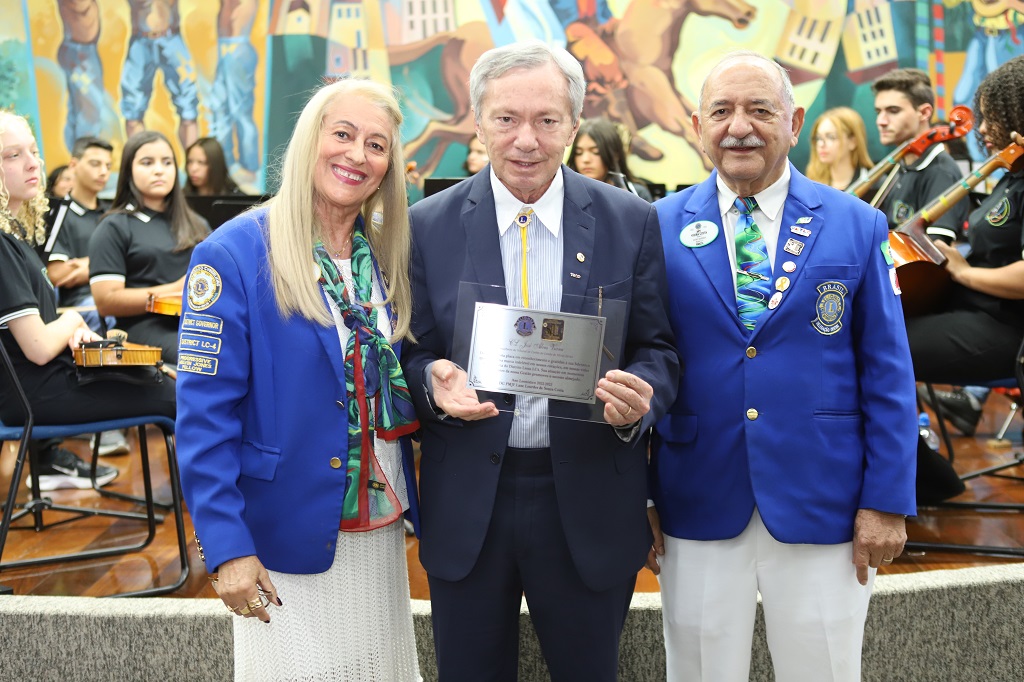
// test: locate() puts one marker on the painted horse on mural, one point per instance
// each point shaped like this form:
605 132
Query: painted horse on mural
460 50
628 65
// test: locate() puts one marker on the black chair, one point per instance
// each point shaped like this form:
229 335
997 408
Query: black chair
996 470
37 505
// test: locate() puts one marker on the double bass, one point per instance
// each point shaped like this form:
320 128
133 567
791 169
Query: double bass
961 121
919 264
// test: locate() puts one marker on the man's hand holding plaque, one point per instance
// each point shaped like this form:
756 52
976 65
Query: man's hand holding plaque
626 397
453 396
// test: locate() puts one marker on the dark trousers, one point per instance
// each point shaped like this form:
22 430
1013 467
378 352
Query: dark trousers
62 400
476 620
962 347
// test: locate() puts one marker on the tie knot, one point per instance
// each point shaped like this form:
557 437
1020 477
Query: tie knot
745 205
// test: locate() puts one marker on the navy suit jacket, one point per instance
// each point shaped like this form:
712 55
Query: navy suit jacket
611 242
262 415
828 372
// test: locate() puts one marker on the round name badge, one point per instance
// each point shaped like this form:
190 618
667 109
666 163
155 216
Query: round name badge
698 234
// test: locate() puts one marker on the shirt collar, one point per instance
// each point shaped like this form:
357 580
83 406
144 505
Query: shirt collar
923 162
770 200
548 208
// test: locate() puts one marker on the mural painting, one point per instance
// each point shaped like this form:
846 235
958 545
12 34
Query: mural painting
239 70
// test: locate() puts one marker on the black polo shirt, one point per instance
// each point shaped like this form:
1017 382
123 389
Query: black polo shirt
920 183
70 230
26 291
995 232
137 249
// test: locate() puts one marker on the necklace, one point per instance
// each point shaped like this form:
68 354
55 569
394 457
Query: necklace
337 253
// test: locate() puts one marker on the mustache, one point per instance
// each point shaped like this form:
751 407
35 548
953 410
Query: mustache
732 142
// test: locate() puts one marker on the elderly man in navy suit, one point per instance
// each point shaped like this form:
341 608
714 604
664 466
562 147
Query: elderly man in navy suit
518 498
787 463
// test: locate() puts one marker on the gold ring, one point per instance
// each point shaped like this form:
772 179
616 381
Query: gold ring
887 561
244 611
254 604
629 408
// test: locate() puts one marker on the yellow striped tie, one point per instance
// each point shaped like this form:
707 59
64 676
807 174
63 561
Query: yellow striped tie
523 220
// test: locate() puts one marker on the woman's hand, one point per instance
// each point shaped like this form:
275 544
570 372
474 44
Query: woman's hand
241 583
956 264
82 334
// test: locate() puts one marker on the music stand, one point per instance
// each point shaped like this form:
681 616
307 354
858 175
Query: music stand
432 186
217 209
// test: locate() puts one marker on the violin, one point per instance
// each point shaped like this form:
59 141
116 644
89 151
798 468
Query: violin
164 304
919 264
961 121
116 351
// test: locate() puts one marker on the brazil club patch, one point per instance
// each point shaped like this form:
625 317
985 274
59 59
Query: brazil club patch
203 287
886 252
525 325
830 307
901 211
999 214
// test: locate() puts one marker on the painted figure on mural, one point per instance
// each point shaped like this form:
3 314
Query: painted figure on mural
628 65
997 39
234 88
90 108
156 43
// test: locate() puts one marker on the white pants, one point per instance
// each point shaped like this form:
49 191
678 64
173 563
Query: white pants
814 608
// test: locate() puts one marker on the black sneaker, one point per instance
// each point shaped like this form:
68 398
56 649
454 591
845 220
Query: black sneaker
60 468
960 408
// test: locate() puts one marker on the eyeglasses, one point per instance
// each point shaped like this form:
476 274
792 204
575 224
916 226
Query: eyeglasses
828 137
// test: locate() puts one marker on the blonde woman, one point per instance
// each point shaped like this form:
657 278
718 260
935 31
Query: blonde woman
839 148
39 340
293 403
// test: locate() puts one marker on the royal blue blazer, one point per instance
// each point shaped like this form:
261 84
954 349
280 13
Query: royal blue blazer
262 423
828 373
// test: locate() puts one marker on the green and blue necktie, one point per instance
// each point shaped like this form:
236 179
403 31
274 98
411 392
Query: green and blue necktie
753 269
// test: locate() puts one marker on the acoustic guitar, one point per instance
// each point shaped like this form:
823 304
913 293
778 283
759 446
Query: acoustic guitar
961 121
919 264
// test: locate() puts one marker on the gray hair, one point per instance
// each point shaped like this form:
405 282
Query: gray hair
529 54
787 84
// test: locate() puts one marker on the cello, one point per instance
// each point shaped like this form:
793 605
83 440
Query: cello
961 121
919 264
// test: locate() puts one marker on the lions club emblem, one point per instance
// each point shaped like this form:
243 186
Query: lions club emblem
203 287
830 307
525 325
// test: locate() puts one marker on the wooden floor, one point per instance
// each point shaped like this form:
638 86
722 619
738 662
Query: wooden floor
158 563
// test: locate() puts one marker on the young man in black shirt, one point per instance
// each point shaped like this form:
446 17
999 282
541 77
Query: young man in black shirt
72 223
904 103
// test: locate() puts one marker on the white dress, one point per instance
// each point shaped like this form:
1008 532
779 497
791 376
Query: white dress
353 622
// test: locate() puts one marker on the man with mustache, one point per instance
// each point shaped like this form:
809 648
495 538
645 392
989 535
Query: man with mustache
786 464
